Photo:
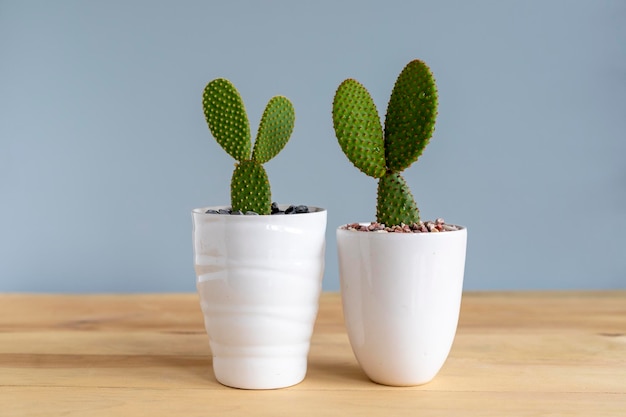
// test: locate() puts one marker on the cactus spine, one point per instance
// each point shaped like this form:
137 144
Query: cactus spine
228 122
384 154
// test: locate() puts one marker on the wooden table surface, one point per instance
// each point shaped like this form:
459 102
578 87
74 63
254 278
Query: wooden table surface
515 354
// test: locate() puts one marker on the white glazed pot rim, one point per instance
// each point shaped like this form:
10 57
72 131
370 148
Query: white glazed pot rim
391 235
202 210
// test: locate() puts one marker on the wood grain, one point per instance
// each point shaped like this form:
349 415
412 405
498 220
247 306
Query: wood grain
515 354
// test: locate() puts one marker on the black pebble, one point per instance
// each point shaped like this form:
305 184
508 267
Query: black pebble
275 208
224 211
290 210
251 213
211 211
237 213
302 209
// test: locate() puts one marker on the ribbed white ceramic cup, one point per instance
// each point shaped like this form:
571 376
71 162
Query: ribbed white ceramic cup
259 281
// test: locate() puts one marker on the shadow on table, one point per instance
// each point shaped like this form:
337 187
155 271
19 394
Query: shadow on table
335 373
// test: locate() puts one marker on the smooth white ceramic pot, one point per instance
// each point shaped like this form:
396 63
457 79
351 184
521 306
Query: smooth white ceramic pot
259 281
401 295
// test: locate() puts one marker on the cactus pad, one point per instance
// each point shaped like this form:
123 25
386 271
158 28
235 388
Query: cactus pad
357 127
227 118
274 130
250 188
395 203
411 114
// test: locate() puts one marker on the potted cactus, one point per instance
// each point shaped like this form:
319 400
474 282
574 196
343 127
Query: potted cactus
259 265
401 278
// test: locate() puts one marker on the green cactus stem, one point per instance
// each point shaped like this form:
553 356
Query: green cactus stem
384 154
250 188
228 122
395 204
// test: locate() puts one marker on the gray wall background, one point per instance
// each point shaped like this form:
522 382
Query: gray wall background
104 149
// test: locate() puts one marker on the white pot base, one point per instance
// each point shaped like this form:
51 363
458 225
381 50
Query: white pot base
259 373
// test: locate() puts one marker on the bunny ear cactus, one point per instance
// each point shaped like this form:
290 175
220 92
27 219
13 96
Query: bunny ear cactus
228 122
384 154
